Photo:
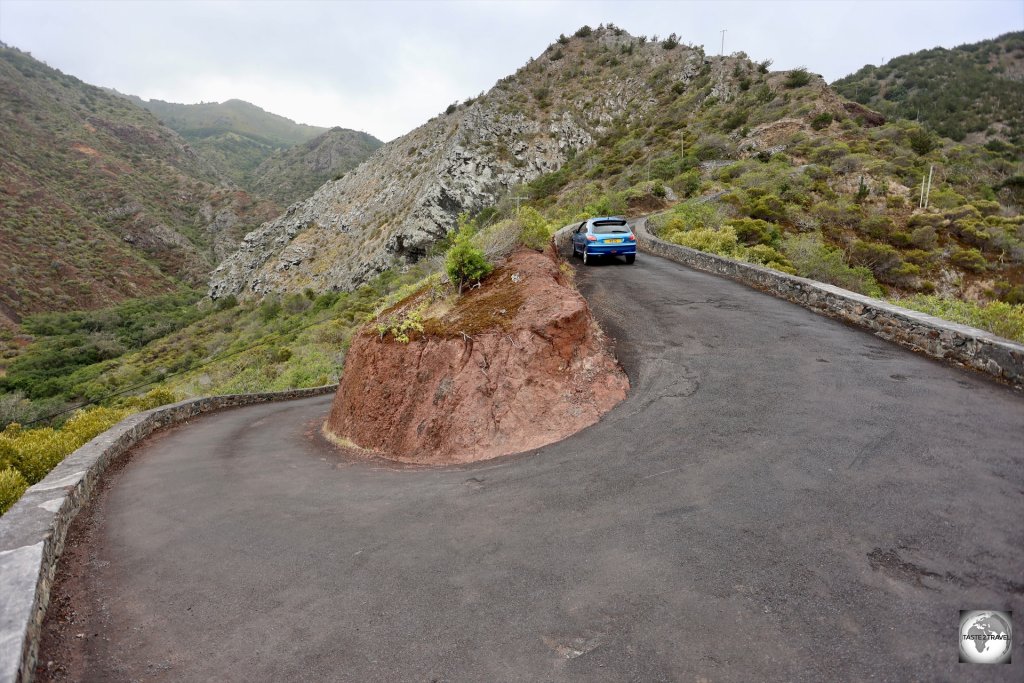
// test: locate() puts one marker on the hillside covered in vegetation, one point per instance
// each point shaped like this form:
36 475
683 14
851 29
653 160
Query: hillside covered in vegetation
972 92
262 152
98 201
292 174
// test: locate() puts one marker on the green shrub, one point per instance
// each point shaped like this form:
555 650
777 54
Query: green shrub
401 327
770 208
813 258
768 256
764 94
921 141
947 198
878 226
862 191
751 231
924 237
822 120
583 31
797 78
37 451
900 239
883 260
535 231
723 242
689 216
270 308
465 262
151 399
686 184
829 154
12 486
735 119
969 259
227 302
986 207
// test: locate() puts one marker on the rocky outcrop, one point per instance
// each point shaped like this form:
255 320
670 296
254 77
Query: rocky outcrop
512 366
410 192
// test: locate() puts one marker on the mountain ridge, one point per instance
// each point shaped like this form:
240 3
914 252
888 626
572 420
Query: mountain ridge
603 122
413 188
263 152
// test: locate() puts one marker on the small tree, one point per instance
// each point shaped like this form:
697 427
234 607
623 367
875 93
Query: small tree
465 262
862 191
921 141
798 77
535 232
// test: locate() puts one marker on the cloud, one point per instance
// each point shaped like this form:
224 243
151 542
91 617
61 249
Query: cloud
386 67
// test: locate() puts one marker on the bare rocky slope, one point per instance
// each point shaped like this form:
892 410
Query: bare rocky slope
409 193
514 365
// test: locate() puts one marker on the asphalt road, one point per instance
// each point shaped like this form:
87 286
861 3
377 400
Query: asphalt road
781 497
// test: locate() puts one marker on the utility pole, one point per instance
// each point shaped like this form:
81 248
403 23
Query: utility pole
928 191
926 188
722 51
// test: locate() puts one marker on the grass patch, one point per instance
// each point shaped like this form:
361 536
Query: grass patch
997 317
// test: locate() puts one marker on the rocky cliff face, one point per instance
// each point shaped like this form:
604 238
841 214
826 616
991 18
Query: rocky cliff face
410 192
512 366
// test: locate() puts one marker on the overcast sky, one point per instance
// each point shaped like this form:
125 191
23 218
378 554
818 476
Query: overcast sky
387 67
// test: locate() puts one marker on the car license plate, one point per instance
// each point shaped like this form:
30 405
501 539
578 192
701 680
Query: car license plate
613 241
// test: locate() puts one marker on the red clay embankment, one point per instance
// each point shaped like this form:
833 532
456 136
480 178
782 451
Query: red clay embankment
513 365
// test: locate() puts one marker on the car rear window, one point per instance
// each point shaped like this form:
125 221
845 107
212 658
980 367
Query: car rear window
610 227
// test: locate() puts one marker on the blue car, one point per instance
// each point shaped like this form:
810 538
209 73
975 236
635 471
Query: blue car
606 236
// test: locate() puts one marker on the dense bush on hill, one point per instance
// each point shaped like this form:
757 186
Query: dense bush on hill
972 89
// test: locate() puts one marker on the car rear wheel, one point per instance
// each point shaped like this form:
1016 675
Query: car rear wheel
586 258
630 258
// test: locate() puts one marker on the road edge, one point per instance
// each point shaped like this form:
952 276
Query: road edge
33 530
979 350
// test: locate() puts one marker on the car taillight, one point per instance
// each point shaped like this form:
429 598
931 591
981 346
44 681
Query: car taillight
591 238
631 237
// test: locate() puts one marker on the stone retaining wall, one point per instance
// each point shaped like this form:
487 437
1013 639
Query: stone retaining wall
917 331
32 532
